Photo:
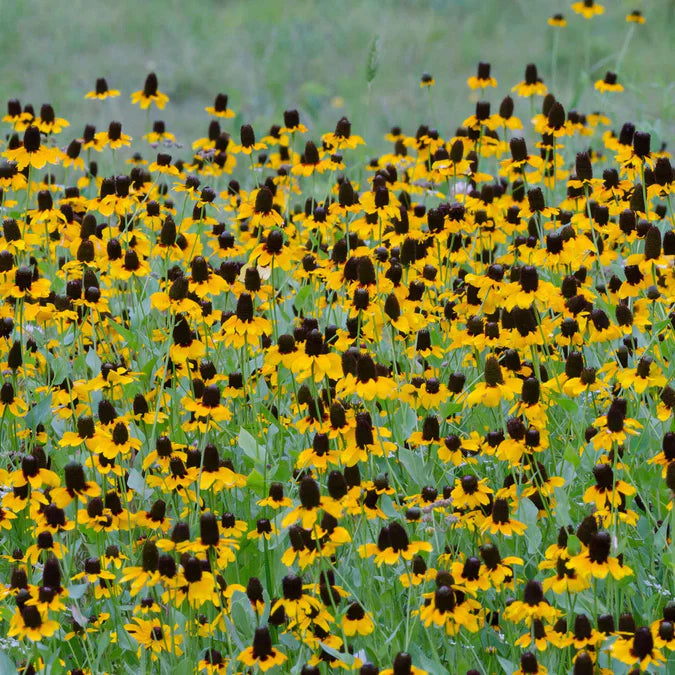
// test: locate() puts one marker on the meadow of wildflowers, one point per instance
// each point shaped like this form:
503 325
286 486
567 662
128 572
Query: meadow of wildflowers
268 405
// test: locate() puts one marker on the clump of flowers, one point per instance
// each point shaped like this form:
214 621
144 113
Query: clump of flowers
264 405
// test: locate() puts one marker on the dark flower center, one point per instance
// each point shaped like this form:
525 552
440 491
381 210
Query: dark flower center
263 526
245 308
7 393
247 136
262 644
192 570
500 511
604 476
23 278
150 87
599 547
310 496
643 643
518 149
166 566
402 664
431 428
528 663
531 76
211 396
131 261
582 627
45 540
471 569
74 474
92 566
31 139
355 612
343 129
364 430
444 599
292 587
120 434
398 537
115 131
641 143
493 372
31 616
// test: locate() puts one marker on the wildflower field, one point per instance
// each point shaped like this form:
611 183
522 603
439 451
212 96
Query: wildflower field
277 400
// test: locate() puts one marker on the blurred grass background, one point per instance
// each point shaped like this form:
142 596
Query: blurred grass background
269 55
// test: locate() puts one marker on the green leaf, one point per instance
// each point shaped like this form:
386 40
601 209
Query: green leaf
573 545
303 300
562 511
413 464
102 645
507 666
251 447
93 360
373 62
137 483
572 456
291 643
341 656
39 413
242 618
127 334
256 482
566 404
387 505
449 409
528 512
78 615
6 665
76 591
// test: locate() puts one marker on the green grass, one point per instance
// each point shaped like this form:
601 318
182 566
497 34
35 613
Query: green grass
269 56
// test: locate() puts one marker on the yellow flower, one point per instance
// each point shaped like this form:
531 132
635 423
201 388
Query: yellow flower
261 210
427 80
482 79
588 9
608 491
596 561
311 502
532 84
635 17
557 20
495 388
357 621
31 623
392 545
342 138
609 83
500 521
150 94
101 90
114 138
219 107
31 152
638 649
262 653
471 493
533 606
155 637
403 664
